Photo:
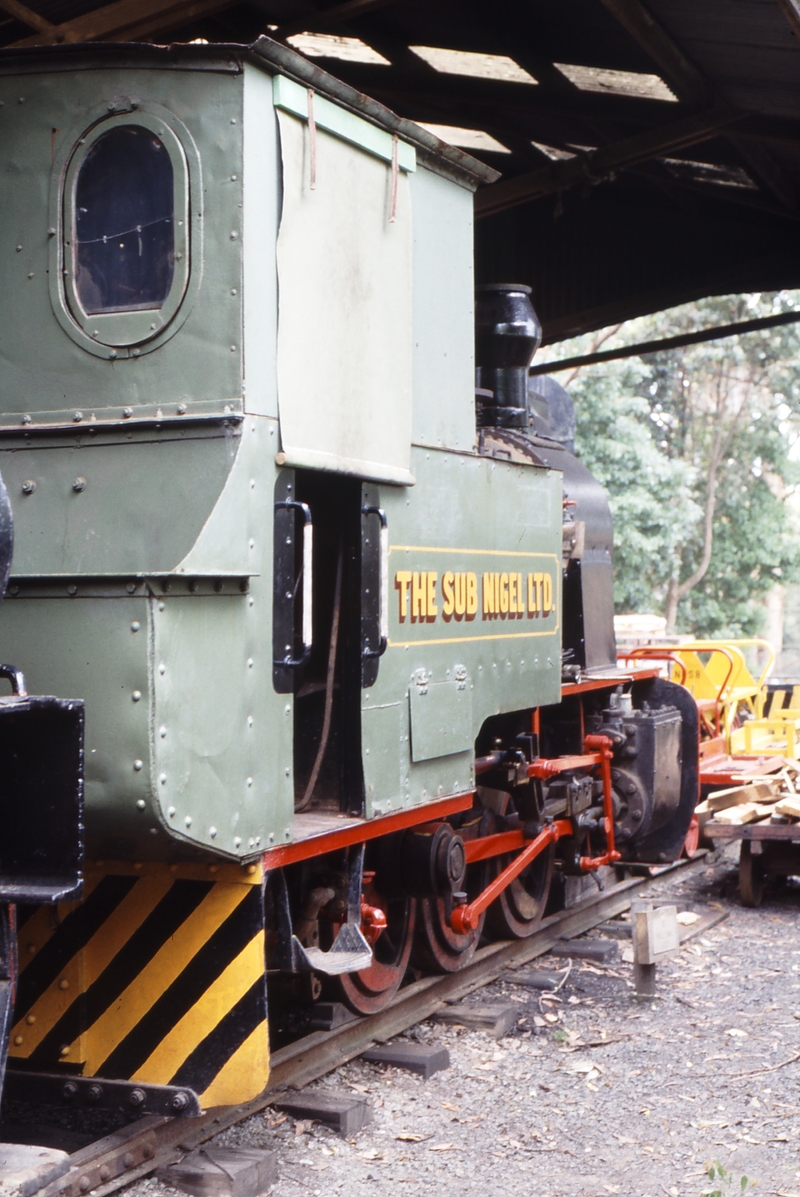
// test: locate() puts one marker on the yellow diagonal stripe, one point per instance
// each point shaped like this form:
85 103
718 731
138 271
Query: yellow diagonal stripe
42 925
244 1075
220 997
87 964
168 963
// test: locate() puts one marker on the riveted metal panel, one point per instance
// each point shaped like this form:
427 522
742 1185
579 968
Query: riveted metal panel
441 719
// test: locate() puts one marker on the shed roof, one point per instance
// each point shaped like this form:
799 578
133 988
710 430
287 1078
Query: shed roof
649 152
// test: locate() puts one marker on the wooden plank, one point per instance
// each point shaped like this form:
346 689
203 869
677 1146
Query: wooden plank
679 72
759 791
337 14
789 806
737 816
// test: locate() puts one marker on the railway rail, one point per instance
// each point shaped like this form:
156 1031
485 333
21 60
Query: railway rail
110 1163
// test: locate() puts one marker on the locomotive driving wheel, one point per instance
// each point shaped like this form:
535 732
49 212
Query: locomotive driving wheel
438 947
371 989
518 911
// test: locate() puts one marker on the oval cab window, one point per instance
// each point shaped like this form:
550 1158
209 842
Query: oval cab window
125 254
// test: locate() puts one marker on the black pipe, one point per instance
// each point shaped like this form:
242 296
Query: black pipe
507 334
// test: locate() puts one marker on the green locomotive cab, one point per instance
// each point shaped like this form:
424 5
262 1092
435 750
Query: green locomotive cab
315 613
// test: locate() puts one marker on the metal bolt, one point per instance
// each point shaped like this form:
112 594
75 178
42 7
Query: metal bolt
179 1102
94 1093
137 1097
69 1091
79 484
28 486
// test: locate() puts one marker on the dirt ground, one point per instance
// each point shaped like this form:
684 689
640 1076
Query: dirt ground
594 1091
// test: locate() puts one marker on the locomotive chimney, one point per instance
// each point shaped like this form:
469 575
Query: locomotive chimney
507 335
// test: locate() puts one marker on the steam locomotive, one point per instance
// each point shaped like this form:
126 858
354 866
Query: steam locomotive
293 522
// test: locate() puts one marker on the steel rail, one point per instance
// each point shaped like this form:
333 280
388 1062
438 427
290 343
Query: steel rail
136 1151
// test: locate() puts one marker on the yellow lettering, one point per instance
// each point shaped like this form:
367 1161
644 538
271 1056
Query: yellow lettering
520 596
401 581
433 610
449 602
532 608
503 594
419 595
472 595
538 580
512 594
489 592
461 594
547 594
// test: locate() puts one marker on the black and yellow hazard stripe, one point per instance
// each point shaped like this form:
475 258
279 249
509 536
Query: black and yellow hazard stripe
156 976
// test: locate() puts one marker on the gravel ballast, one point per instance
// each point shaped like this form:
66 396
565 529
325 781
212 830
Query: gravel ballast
594 1091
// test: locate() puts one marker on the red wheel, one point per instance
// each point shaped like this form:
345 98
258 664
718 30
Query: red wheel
518 911
438 948
692 841
372 989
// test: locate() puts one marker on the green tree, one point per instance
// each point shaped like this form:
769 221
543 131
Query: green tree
696 447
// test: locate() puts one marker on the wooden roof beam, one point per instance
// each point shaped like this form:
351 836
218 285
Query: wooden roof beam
327 18
25 15
125 20
594 167
689 84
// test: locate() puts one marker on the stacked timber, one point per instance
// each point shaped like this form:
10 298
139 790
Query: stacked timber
775 799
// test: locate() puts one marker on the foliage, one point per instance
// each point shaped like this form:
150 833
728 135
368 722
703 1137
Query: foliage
719 1176
697 448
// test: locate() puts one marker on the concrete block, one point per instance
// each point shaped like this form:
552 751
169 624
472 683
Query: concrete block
340 1111
327 1016
25 1169
655 933
601 951
496 1021
532 979
413 1057
223 1172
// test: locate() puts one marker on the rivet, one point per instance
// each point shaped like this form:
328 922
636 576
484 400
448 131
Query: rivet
287 771
31 949
162 669
130 587
233 348
141 804
234 235
112 353
28 486
136 696
65 1050
233 290
135 625
26 419
79 484
63 983
162 731
30 275
171 812
138 765
152 328
251 868
181 409
127 412
188 820
19 249
249 720
78 417
129 1159
161 606
249 781
249 662
72 590
233 178
233 118
136 353
31 1019
105 1173
212 831
162 777
18 1041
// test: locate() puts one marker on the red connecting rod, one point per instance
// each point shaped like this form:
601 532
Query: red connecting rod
466 918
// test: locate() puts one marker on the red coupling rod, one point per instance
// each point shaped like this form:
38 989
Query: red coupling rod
466 918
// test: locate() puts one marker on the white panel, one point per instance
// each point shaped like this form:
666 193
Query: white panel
261 191
344 325
444 338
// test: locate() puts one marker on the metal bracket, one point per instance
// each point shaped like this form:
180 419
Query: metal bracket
87 1092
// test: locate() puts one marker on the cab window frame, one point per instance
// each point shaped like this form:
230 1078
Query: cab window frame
128 333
